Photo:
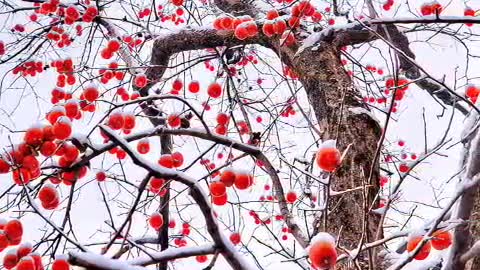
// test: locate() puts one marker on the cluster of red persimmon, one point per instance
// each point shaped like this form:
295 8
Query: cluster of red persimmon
233 70
214 91
222 123
132 41
29 68
156 222
175 17
400 85
25 259
64 68
69 15
249 58
472 92
60 37
208 65
121 121
388 5
125 96
144 13
429 8
370 68
229 177
72 14
110 73
403 167
47 140
114 45
288 109
440 240
245 27
51 140
11 233
22 257
433 8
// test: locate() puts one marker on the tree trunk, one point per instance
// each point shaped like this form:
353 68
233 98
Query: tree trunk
475 230
468 207
332 95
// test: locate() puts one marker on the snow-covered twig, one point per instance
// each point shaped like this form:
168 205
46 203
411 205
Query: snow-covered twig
173 253
468 185
91 260
236 260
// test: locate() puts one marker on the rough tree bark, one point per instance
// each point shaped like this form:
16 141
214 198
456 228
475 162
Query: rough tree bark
475 229
332 96
468 208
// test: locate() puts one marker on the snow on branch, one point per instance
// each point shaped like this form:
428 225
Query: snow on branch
462 189
236 260
223 140
91 260
173 253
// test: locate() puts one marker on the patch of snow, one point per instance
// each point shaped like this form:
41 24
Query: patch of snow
302 159
359 110
103 262
172 253
323 237
328 144
311 40
380 210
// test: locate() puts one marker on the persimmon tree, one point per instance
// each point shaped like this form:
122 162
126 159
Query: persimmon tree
230 133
